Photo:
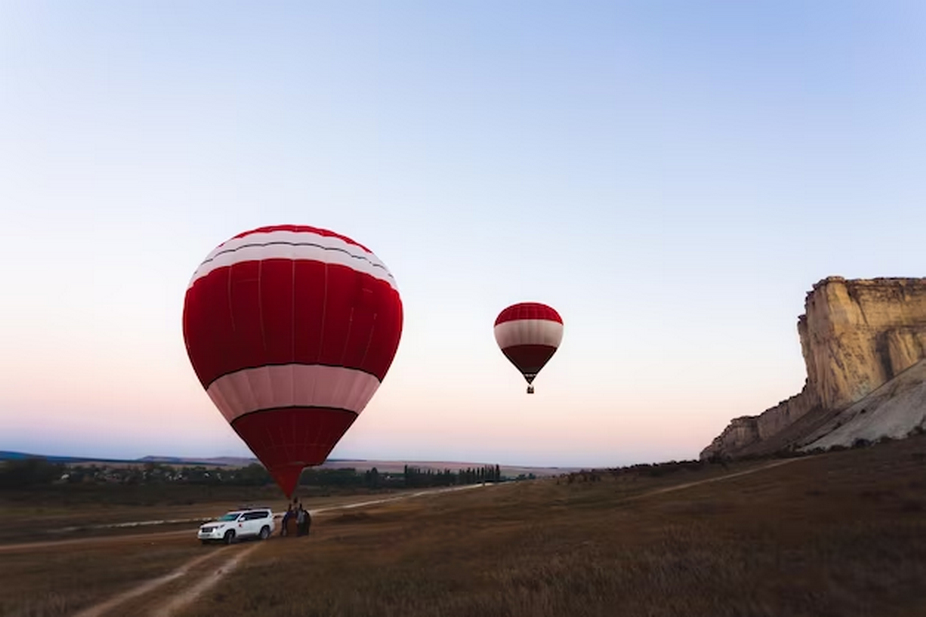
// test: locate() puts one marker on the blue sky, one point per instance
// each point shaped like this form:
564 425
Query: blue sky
671 176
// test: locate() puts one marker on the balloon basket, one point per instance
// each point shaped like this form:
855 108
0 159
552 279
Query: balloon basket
291 527
530 389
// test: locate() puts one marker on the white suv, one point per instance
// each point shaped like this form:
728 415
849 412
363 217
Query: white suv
244 523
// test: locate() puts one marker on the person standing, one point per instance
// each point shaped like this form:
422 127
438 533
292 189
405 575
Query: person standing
289 514
300 521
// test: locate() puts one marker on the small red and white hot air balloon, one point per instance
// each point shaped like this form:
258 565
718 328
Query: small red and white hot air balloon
529 334
291 329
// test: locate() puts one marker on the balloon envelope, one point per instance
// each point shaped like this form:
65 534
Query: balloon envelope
529 334
291 329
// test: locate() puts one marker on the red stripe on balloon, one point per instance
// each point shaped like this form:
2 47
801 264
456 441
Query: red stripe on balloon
528 310
281 311
286 440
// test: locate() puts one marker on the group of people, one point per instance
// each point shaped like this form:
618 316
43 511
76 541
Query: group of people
302 516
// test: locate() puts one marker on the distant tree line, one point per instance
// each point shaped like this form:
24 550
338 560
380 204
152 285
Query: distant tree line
410 477
29 472
414 477
37 471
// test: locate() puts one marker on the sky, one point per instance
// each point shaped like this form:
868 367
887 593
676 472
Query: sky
671 176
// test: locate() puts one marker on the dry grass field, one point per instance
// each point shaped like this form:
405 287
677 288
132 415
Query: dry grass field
61 581
842 534
53 562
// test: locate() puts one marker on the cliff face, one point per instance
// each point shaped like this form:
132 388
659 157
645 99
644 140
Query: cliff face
744 434
855 336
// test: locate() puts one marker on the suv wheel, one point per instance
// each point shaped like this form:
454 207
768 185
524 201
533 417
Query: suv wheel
264 532
229 536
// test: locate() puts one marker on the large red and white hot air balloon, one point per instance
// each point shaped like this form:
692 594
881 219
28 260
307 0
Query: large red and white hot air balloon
291 329
529 334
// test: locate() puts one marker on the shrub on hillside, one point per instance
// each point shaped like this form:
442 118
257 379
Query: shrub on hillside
29 472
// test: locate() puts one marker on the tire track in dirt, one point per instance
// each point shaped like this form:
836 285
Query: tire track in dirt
204 584
679 487
79 542
147 587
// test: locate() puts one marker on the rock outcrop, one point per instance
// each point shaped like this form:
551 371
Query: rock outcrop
754 434
855 335
895 410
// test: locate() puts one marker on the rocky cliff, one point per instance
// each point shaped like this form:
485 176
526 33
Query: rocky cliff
895 410
855 335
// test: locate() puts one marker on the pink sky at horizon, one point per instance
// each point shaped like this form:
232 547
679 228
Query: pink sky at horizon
130 392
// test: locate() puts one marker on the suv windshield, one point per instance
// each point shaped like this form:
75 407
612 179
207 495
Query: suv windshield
231 516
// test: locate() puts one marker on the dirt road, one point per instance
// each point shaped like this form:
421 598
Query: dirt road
199 574
148 586
95 541
678 487
170 605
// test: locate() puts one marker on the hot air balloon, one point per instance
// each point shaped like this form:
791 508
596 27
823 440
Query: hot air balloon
291 329
529 334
